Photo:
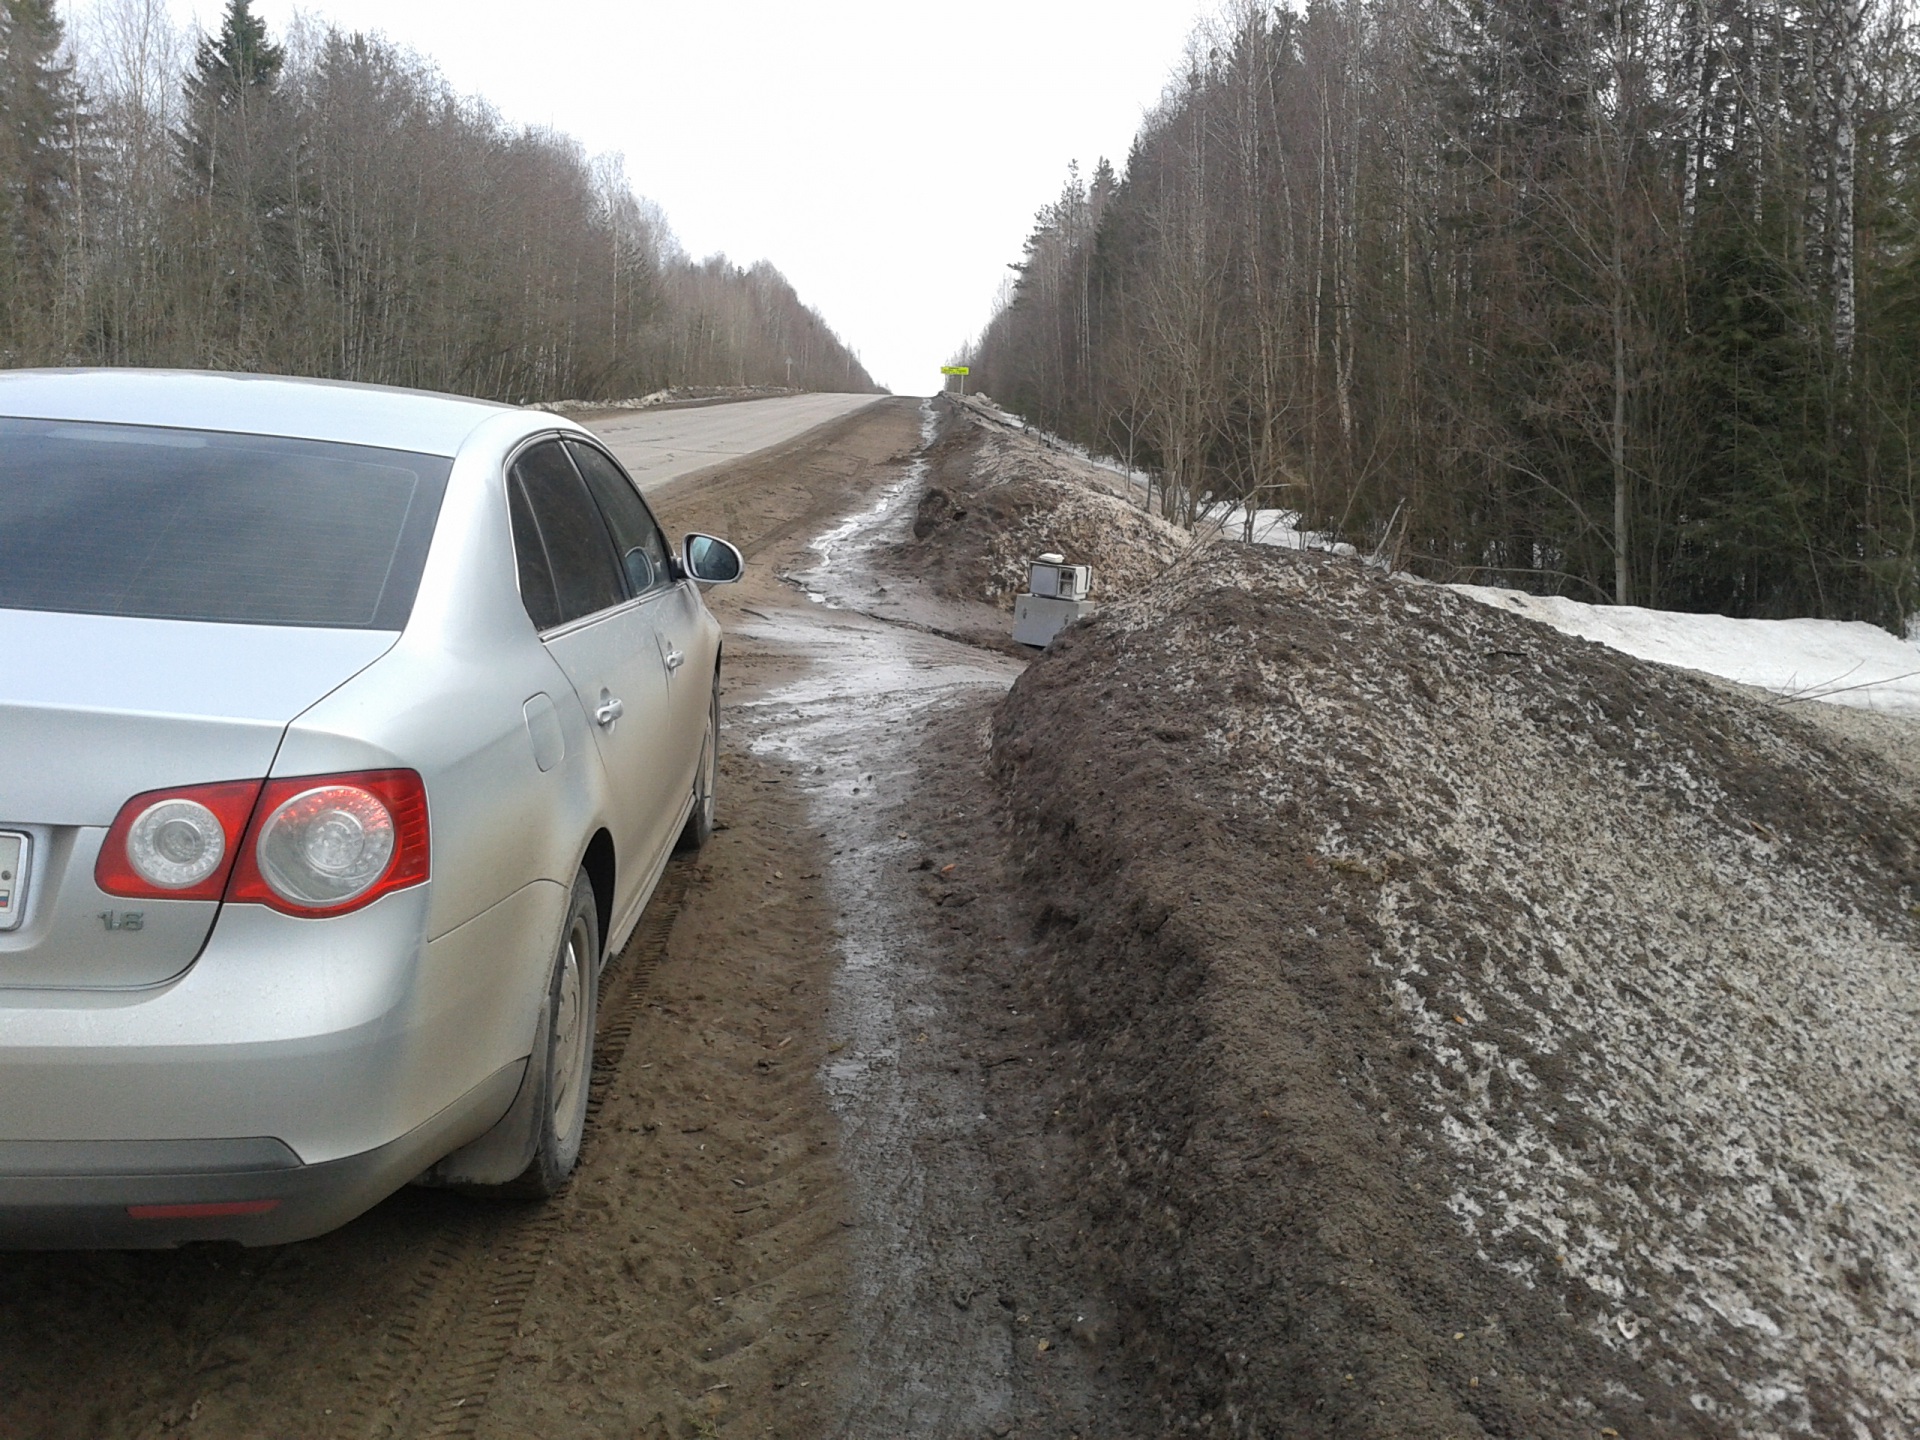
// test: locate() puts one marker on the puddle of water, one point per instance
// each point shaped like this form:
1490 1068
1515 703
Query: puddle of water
849 724
834 582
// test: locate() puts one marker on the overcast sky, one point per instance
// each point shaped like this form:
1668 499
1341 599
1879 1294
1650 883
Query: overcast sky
888 157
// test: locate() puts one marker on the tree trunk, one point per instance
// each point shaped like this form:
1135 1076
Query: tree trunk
1849 22
1622 499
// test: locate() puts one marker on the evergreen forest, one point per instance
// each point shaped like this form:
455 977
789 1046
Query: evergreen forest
1615 299
322 203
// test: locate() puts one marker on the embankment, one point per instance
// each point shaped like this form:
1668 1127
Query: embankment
1475 1031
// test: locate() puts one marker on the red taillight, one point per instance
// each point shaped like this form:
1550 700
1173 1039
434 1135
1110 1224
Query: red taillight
176 844
327 844
315 845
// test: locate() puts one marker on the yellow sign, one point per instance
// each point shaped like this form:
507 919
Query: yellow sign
955 370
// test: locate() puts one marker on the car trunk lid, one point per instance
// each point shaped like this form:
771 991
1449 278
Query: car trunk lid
97 709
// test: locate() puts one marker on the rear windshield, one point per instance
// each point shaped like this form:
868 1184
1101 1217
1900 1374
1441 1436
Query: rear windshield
197 525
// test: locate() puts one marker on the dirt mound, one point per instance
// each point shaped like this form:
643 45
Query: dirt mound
1479 1032
996 500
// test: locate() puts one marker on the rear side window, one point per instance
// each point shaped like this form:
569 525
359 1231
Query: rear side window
566 525
643 549
530 552
198 525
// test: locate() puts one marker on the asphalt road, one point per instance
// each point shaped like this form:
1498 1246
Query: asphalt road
661 445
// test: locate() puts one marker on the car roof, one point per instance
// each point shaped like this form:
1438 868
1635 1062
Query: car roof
417 420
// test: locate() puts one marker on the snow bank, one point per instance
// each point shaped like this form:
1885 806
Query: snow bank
1847 662
678 395
1278 528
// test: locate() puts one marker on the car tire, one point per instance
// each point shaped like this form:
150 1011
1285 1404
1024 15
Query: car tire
699 826
565 1057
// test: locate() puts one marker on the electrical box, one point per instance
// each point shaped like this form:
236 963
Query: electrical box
1057 596
1051 578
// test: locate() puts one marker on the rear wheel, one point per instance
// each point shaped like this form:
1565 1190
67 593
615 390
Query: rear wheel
566 1058
699 828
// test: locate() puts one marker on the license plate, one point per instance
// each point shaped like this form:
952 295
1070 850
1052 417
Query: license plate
16 850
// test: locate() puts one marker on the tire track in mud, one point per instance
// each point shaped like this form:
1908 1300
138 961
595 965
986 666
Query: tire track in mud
437 1362
700 1274
923 1356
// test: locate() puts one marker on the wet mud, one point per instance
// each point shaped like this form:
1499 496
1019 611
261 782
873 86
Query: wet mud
1471 1031
958 1322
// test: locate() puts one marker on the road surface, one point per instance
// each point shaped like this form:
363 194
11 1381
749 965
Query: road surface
661 445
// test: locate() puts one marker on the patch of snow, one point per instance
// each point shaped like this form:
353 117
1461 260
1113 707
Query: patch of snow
1278 528
1848 662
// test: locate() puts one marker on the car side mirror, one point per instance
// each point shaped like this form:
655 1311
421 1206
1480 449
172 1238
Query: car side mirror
711 561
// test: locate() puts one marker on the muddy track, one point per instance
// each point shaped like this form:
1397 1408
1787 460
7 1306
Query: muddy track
777 499
450 1325
440 1355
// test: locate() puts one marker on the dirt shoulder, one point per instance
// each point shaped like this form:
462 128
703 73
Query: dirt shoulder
709 1244
701 1284
963 1315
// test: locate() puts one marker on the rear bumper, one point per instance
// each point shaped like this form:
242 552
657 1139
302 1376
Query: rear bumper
136 1195
364 1054
335 1037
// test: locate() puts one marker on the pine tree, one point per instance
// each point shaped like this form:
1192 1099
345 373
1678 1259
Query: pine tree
235 74
40 124
240 151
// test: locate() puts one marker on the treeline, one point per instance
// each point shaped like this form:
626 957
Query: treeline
1612 298
322 204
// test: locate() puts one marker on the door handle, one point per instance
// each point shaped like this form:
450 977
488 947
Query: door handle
674 659
609 711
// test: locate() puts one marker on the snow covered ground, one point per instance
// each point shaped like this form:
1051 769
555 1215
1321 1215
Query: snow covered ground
1278 528
1847 662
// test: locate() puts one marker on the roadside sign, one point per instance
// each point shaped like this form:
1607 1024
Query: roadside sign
956 370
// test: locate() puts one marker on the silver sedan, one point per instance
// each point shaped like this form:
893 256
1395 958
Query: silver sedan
344 733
